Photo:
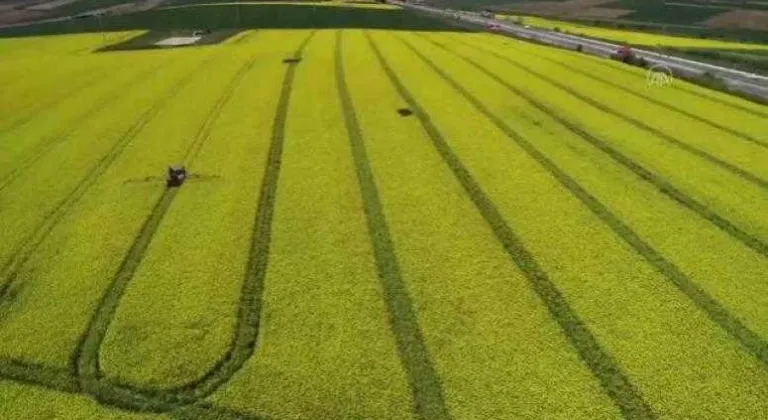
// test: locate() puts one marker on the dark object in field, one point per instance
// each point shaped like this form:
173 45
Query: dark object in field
404 112
579 47
292 60
176 176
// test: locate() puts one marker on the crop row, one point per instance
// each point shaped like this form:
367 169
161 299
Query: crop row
515 260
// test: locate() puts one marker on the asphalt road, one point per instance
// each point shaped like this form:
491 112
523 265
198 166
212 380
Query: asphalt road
753 84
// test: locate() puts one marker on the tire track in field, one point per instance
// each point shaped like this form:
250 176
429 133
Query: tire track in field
746 175
657 181
85 360
46 145
668 106
62 381
10 269
602 365
423 379
693 92
751 341
52 102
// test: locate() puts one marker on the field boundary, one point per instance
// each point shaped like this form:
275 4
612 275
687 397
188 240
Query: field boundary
748 339
423 379
654 179
602 365
47 143
744 174
663 104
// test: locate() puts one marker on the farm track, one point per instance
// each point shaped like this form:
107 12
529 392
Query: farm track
86 358
46 145
52 102
663 104
10 270
614 382
751 341
423 379
62 380
744 174
657 181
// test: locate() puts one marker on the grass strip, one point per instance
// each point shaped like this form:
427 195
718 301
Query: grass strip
422 377
46 145
663 185
85 359
634 121
10 270
603 366
710 306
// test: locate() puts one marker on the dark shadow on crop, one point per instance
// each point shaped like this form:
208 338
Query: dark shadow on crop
232 17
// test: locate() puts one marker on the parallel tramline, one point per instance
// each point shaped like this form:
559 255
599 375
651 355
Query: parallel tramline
541 235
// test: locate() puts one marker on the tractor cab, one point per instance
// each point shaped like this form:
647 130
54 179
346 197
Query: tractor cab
176 176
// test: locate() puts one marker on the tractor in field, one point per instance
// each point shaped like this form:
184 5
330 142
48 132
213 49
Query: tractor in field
627 56
176 176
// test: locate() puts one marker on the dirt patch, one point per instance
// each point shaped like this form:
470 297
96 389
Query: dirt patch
743 19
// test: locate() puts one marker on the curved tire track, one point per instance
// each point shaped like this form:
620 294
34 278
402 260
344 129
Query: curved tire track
85 361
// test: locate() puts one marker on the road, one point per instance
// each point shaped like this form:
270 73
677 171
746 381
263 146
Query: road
736 80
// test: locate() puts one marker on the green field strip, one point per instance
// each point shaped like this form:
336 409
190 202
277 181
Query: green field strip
738 124
45 144
681 362
27 311
640 89
753 160
474 306
699 205
45 97
614 382
679 86
181 337
325 334
26 239
751 341
247 323
429 402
